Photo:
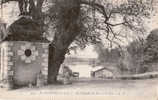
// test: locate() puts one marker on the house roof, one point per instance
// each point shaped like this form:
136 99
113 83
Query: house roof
99 70
25 29
104 68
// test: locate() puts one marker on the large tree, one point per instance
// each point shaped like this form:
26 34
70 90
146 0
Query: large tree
84 21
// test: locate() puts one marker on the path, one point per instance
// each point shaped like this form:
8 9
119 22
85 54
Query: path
145 89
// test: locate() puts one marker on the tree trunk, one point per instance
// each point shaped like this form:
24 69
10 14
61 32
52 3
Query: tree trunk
56 58
68 29
57 51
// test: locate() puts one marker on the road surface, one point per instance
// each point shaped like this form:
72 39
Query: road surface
115 89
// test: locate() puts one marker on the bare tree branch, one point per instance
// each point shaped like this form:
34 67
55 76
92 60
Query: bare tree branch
97 6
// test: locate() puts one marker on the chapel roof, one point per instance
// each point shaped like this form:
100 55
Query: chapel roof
25 29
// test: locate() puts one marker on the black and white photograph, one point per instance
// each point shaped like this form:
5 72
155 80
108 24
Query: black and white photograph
78 49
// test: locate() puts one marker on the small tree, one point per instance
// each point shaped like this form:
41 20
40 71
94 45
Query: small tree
150 50
136 51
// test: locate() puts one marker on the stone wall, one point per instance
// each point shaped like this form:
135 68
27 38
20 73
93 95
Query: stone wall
25 60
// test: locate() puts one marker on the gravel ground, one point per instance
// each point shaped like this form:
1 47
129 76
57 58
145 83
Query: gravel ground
127 89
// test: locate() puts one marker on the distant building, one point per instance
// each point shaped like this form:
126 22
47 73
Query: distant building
102 73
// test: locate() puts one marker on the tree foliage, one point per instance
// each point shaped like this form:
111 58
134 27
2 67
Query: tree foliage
151 48
112 22
136 51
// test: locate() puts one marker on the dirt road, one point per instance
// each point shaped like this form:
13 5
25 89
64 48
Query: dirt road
127 89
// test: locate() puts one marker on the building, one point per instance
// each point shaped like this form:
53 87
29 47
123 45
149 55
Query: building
102 73
21 61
